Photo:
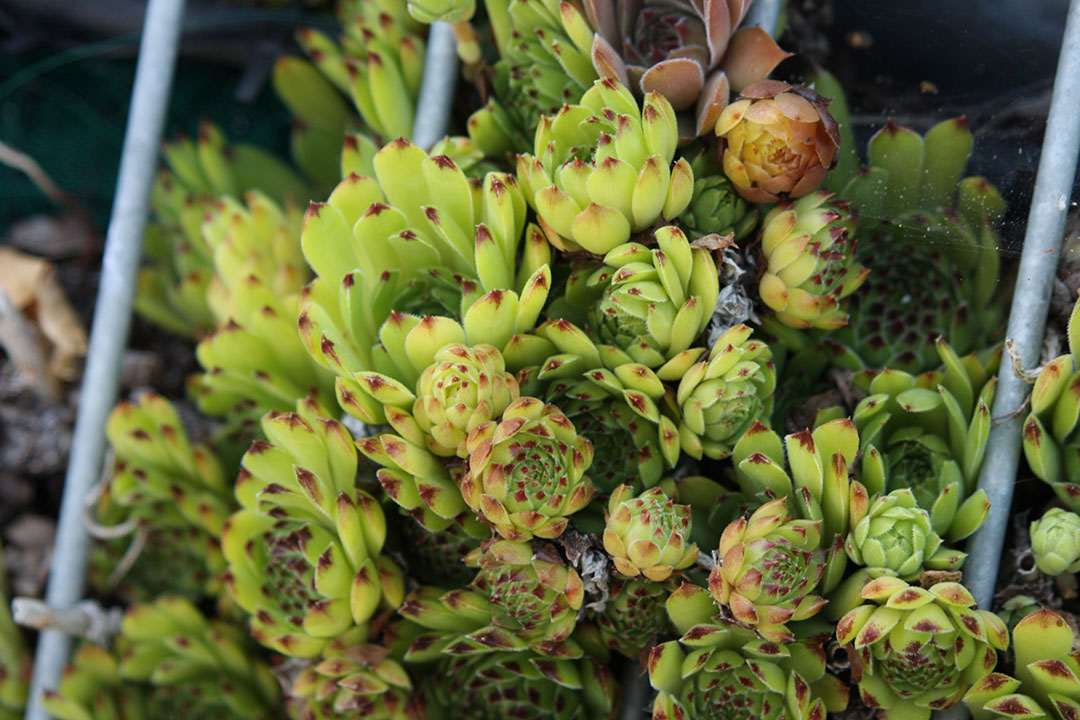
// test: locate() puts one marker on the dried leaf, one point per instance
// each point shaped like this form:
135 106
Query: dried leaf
31 286
714 241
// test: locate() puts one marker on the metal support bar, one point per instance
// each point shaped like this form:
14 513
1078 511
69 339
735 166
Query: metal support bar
112 319
437 87
1030 303
765 14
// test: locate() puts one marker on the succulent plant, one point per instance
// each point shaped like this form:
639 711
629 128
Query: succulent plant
722 670
496 686
91 688
545 48
1051 443
417 239
437 557
253 360
720 397
813 473
653 304
451 11
894 535
602 170
915 650
522 599
767 569
633 617
15 661
173 495
1055 538
1047 674
304 550
920 219
715 206
779 141
159 560
197 668
690 53
625 449
647 535
460 388
809 248
526 472
931 432
377 61
171 290
352 679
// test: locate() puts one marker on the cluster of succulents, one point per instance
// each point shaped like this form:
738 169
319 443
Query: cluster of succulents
502 441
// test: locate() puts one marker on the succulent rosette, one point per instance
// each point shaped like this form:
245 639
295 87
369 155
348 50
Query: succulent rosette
544 47
722 670
894 535
603 170
459 388
633 616
463 388
377 61
173 495
767 569
921 219
647 535
1055 539
1047 669
809 249
654 303
931 432
526 472
253 361
171 289
352 679
91 687
304 550
779 141
689 52
715 206
522 598
915 650
1051 440
198 668
417 239
720 397
497 686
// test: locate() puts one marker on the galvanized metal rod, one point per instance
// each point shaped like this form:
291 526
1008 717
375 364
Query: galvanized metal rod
437 86
1031 300
112 319
765 14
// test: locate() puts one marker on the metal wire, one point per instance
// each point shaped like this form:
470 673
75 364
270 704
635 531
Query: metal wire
1030 303
437 87
112 319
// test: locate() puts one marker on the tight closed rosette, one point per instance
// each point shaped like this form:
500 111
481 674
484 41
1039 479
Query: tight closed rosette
719 398
809 249
526 472
779 141
648 535
769 565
